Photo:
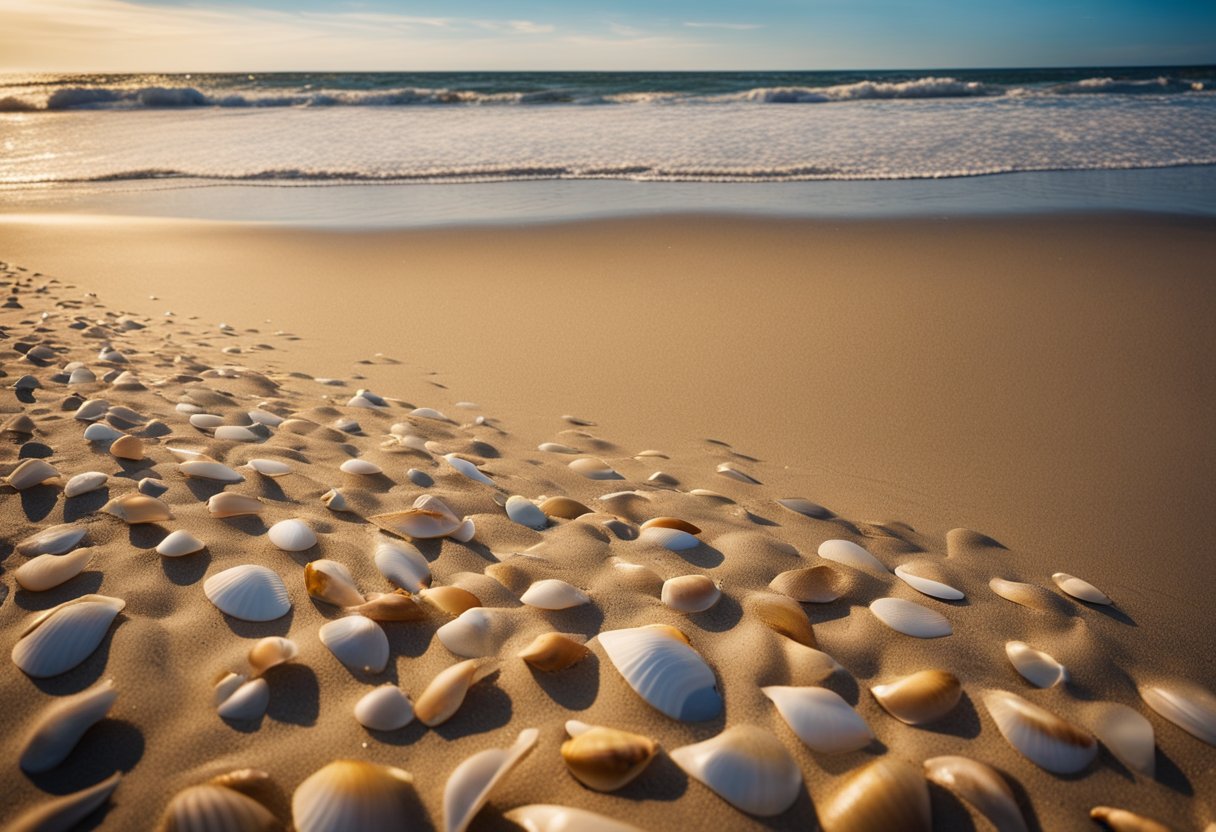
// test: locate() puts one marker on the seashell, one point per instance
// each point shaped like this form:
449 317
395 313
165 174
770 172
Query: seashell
226 685
206 421
402 564
934 589
63 813
179 543
470 784
47 571
549 652
671 523
118 413
429 518
420 478
821 719
248 592
265 417
331 582
82 375
1188 706
887 794
524 512
444 695
674 540
980 785
58 639
97 432
84 483
209 470
361 467
247 703
186 454
271 651
747 767
228 504
429 413
813 584
466 468
552 594
292 535
921 698
235 433
384 708
476 632
910 618
138 508
728 470
663 669
782 615
334 500
392 606
20 423
1078 588
557 448
1127 734
1036 667
31 472
465 531
606 759
53 541
213 808
269 467
594 468
547 817
357 642
1121 820
663 478
1042 737
453 600
27 382
852 555
1028 595
564 507
92 410
575 420
349 795
690 593
62 725
151 486
805 508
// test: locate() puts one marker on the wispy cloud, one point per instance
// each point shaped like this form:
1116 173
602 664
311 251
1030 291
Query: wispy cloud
739 27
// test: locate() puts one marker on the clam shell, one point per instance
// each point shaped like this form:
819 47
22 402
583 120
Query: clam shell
606 759
594 468
466 468
1028 595
547 817
1126 733
690 593
663 669
205 421
1121 820
852 555
564 507
139 508
429 518
179 543
821 719
331 582
444 695
980 785
235 433
350 795
1188 706
357 642
92 410
805 507
553 594
269 467
247 703
921 698
420 478
334 500
384 708
84 483
1042 737
470 784
671 523
935 589
360 467
549 652
728 470
60 638
209 470
53 541
31 472
557 448
675 540
265 417
885 795
47 571
747 767
213 808
128 447
476 632
61 726
98 432
524 512
429 413
63 813
271 651
1078 588
453 600
391 606
402 564
227 504
782 615
910 618
814 584
1036 667
292 535
248 592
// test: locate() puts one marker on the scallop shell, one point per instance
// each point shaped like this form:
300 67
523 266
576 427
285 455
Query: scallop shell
84 483
547 817
921 698
470 784
887 794
1127 734
553 594
213 808
935 589
606 759
361 467
228 504
594 468
663 669
271 651
357 642
1188 706
910 618
1121 820
31 472
429 518
444 695
384 708
728 470
138 508
248 592
675 540
747 767
63 813
782 615
292 535
402 564
60 638
98 432
47 571
334 500
1036 667
690 593
476 632
179 543
62 725
53 541
1042 737
1028 595
980 785
549 652
235 433
1078 588
350 795
209 470
391 606
852 555
564 507
468 469
453 600
814 584
821 719
524 512
128 447
805 507
247 703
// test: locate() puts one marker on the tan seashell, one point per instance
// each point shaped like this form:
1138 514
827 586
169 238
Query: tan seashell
60 727
783 615
606 759
349 795
331 582
594 468
813 584
923 697
885 795
47 571
1121 820
564 507
690 593
20 423
138 508
63 813
228 504
444 695
271 652
128 447
450 599
31 472
429 518
671 523
1083 590
212 808
980 785
392 606
549 652
1039 735
471 783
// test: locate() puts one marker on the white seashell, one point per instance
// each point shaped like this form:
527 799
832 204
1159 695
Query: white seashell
1036 667
225 686
910 618
728 470
82 375
265 417
1188 706
468 469
690 593
1042 737
887 794
187 454
357 642
292 535
470 784
465 531
353 796
331 582
402 564
552 594
269 467
214 808
47 571
92 410
547 817
97 432
524 512
248 592
1078 588
594 469
61 726
429 413
334 500
675 540
361 467
138 508
980 785
921 697
805 508
31 472
60 638
206 421
747 767
210 470
1127 734
557 448
84 483
179 543
821 719
271 651
850 554
384 708
663 669
935 589
53 541
247 702
228 504
64 813
444 695
187 407
125 414
476 632
235 433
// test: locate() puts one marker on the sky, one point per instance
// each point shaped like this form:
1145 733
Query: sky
269 35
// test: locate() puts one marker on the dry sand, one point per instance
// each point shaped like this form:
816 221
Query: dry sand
1045 381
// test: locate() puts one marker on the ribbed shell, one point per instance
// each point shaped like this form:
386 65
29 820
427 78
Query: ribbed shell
980 785
665 671
428 518
249 592
852 555
887 794
821 719
921 698
402 564
1042 737
47 571
910 618
60 638
62 724
210 808
352 796
783 615
470 784
357 642
747 767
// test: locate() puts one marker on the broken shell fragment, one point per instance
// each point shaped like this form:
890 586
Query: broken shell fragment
60 638
550 652
1042 737
470 784
349 795
334 500
384 708
1121 820
429 518
887 794
690 593
980 785
357 642
663 669
47 571
467 469
331 582
554 594
60 727
910 618
747 767
453 600
248 592
921 698
606 759
391 606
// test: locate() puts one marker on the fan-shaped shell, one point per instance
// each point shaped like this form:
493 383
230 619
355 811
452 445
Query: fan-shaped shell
782 615
470 784
467 469
1042 737
228 504
663 669
85 482
547 817
594 468
747 767
128 447
58 639
821 719
549 652
47 571
805 507
429 518
31 472
209 470
980 785
813 584
212 808
553 594
910 618
690 593
606 759
271 651
935 589
249 592
564 507
357 642
675 540
248 702
1127 734
885 795
1028 595
1078 588
921 698
852 555
476 632
1036 667
523 511
179 543
351 796
1188 706
402 564
53 541
138 508
63 813
390 606
384 708
1121 820
62 725
444 695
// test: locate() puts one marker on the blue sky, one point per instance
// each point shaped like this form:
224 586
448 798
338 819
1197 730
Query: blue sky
265 35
